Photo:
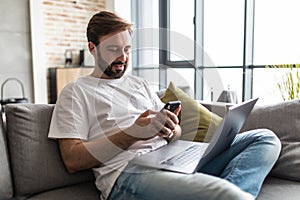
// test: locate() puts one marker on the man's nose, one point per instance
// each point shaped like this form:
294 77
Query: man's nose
122 56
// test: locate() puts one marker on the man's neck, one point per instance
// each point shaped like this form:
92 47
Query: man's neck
99 74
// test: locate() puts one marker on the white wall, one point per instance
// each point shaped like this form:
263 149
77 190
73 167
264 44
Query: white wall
39 69
15 47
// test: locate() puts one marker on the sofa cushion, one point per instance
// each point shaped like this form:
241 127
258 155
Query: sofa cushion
284 120
279 189
196 121
6 189
82 191
35 160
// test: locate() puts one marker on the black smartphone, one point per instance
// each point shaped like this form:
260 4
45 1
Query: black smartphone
172 105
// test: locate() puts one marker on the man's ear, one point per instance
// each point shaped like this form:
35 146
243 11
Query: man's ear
92 48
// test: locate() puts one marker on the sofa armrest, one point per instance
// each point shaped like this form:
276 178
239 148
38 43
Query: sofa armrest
6 186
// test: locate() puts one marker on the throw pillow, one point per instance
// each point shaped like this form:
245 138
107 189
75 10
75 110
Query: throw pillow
196 121
284 120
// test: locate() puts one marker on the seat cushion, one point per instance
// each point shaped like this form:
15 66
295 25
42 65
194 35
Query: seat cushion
284 120
35 160
279 189
6 189
86 191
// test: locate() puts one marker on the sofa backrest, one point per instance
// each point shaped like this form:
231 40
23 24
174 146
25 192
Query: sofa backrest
284 120
36 164
6 188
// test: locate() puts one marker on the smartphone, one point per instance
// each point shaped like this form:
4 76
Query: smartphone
172 105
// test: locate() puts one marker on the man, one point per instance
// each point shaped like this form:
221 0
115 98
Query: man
104 119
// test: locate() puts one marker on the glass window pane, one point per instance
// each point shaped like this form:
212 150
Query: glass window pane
276 32
151 75
183 78
224 32
181 30
265 85
218 80
146 34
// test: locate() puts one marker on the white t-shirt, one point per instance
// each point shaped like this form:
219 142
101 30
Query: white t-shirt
91 108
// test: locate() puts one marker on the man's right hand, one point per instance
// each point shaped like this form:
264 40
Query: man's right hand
152 123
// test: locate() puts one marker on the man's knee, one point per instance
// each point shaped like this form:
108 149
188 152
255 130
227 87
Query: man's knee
270 138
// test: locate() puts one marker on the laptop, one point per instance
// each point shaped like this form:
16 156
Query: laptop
187 156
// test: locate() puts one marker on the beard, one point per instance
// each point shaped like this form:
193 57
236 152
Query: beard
117 73
108 70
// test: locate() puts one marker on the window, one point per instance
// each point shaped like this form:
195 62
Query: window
224 32
215 45
181 30
223 44
265 84
276 35
181 76
276 32
177 43
145 50
218 79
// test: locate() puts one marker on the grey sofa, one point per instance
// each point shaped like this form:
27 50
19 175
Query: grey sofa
31 166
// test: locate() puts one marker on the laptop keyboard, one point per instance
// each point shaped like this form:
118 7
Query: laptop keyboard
186 157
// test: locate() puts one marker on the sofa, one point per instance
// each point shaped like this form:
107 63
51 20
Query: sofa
31 166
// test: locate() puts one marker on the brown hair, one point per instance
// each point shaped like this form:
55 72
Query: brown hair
103 23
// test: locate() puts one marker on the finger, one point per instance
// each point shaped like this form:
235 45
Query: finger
170 124
162 116
172 116
177 111
165 132
148 113
158 123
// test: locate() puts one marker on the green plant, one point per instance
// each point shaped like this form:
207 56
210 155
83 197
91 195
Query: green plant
289 85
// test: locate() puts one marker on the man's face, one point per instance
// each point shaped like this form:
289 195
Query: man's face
113 53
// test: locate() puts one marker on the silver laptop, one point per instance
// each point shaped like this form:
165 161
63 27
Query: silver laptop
188 157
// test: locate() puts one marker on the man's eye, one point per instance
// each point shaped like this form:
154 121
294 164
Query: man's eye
127 50
113 49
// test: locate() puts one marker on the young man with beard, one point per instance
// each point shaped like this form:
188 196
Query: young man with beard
104 119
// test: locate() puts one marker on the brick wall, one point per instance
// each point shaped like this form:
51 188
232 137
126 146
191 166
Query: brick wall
65 24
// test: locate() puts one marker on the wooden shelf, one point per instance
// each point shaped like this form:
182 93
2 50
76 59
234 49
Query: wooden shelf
59 77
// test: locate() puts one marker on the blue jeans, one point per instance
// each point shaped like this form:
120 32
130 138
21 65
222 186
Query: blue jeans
237 173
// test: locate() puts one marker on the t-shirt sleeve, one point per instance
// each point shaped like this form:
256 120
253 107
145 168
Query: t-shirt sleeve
69 119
